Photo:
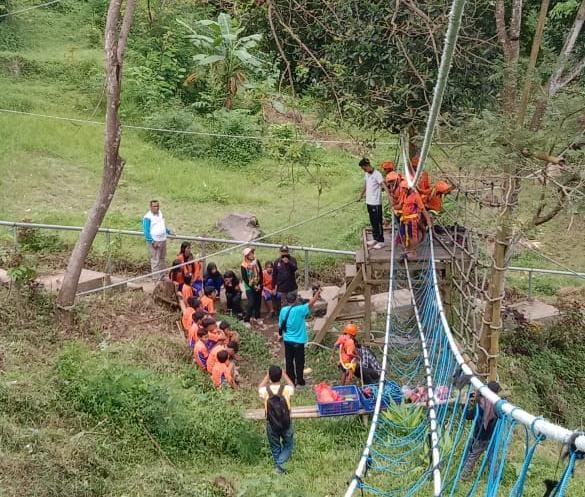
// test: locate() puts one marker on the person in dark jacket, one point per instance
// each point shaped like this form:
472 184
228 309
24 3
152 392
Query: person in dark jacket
233 294
213 277
484 428
284 276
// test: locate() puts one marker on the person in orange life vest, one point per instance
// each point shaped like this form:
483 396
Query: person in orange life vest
196 325
412 209
200 352
176 275
232 348
348 358
230 335
387 166
395 195
194 268
187 289
187 310
222 374
215 335
434 203
269 295
424 182
208 300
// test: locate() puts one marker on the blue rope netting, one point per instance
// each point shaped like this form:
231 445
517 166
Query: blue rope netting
399 461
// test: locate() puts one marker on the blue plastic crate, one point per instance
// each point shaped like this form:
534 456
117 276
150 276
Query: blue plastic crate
391 391
350 405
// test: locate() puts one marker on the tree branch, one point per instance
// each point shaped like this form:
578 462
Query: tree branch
125 29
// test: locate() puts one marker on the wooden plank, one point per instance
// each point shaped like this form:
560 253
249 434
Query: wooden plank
337 310
368 303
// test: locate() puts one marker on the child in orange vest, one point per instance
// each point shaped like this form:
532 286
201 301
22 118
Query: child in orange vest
232 349
230 335
435 201
200 352
186 290
348 358
208 300
176 275
223 372
196 325
215 335
188 309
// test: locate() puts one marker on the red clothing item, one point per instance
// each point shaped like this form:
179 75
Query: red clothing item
347 348
267 278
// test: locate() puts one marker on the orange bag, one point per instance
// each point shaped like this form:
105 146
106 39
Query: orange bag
326 394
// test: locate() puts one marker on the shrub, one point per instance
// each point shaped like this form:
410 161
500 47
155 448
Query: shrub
184 145
235 151
184 422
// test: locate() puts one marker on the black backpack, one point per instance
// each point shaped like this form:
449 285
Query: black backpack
277 411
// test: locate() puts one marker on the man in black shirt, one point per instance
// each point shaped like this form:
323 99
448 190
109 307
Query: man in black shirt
284 275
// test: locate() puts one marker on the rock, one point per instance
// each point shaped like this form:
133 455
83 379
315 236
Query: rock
534 310
241 227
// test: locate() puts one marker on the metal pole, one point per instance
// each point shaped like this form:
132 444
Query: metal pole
15 236
306 269
203 250
530 285
108 253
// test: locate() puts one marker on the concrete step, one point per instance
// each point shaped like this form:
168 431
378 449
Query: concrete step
88 280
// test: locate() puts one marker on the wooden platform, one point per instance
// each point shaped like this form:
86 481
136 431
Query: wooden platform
445 249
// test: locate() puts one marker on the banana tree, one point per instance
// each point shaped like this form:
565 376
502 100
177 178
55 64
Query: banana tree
221 47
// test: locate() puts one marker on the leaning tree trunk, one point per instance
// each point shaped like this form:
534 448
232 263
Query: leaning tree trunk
116 37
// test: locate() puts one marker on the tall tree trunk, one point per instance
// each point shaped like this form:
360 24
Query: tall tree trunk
492 320
116 38
560 76
509 38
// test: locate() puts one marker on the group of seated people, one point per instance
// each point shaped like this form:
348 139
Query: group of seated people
412 207
191 281
214 345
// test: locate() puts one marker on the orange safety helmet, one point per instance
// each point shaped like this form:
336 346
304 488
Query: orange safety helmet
442 187
392 176
351 329
388 165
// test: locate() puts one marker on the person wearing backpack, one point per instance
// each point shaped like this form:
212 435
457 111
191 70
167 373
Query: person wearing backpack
279 429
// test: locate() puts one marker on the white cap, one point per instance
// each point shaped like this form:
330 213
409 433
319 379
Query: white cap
247 250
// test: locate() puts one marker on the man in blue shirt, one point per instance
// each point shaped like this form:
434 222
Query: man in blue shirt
291 322
155 233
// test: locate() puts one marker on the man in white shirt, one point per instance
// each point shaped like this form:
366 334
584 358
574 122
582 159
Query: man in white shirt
155 232
373 185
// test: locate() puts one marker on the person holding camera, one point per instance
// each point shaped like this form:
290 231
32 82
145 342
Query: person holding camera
292 327
284 276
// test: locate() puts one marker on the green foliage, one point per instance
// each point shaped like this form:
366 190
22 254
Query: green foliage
229 149
183 145
230 56
36 240
547 362
184 422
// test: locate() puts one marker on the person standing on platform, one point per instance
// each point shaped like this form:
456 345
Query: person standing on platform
373 185
155 232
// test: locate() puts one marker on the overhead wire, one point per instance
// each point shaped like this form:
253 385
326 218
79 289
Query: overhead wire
27 9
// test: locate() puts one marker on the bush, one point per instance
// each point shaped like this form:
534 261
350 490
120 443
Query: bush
184 422
235 151
184 145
